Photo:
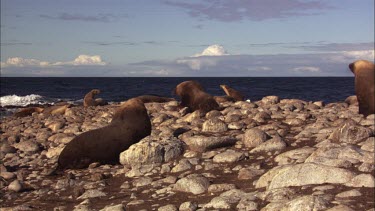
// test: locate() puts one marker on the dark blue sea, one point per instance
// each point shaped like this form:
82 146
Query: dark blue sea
21 91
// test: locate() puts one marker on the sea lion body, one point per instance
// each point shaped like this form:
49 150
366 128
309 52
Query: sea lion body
89 99
222 99
27 111
129 125
238 96
194 97
154 98
364 85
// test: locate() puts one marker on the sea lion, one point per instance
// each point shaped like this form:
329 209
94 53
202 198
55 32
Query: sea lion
129 125
194 97
89 99
364 85
58 108
225 98
27 111
154 99
238 96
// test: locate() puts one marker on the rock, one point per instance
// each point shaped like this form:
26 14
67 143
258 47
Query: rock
54 151
7 175
254 137
148 151
368 145
188 206
340 207
193 183
202 143
182 165
214 125
27 146
350 132
294 156
15 186
270 100
249 173
218 203
362 180
6 148
279 194
92 194
169 207
143 181
248 205
229 156
349 193
306 203
300 175
274 144
220 187
351 100
118 207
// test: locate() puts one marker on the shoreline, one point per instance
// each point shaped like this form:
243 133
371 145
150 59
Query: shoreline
234 158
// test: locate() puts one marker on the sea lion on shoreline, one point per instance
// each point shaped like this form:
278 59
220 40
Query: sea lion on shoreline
154 99
27 111
89 99
194 97
225 98
129 125
238 96
364 85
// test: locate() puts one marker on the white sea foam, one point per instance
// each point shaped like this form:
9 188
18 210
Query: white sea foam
15 100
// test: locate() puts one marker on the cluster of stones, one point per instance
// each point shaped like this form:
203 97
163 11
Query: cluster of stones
270 154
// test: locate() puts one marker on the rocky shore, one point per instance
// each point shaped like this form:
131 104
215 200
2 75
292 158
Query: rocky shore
272 154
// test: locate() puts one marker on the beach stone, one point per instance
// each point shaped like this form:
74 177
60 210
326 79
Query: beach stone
149 151
306 203
169 207
118 207
274 144
193 183
182 165
218 203
143 181
246 204
27 146
349 193
350 132
7 148
278 194
93 193
220 187
229 156
340 207
200 143
15 186
262 117
188 206
214 125
368 145
300 175
249 173
351 100
235 125
54 151
362 180
270 100
294 156
7 175
254 137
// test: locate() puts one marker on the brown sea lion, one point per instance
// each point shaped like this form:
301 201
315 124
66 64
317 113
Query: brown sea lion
129 124
364 85
238 96
194 97
154 98
89 99
58 108
27 111
222 99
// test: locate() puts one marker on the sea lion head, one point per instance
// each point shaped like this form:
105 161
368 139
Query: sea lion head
359 65
95 91
132 108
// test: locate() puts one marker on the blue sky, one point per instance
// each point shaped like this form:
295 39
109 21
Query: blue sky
185 37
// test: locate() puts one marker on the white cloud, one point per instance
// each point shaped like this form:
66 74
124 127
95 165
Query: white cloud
306 69
213 50
21 62
79 61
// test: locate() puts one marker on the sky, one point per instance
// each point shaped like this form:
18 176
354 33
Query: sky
193 38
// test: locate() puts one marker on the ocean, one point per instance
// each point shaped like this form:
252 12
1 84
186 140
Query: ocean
25 91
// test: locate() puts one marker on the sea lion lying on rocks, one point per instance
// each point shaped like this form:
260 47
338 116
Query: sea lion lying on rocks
129 124
236 95
194 97
89 99
225 98
154 98
364 85
58 108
